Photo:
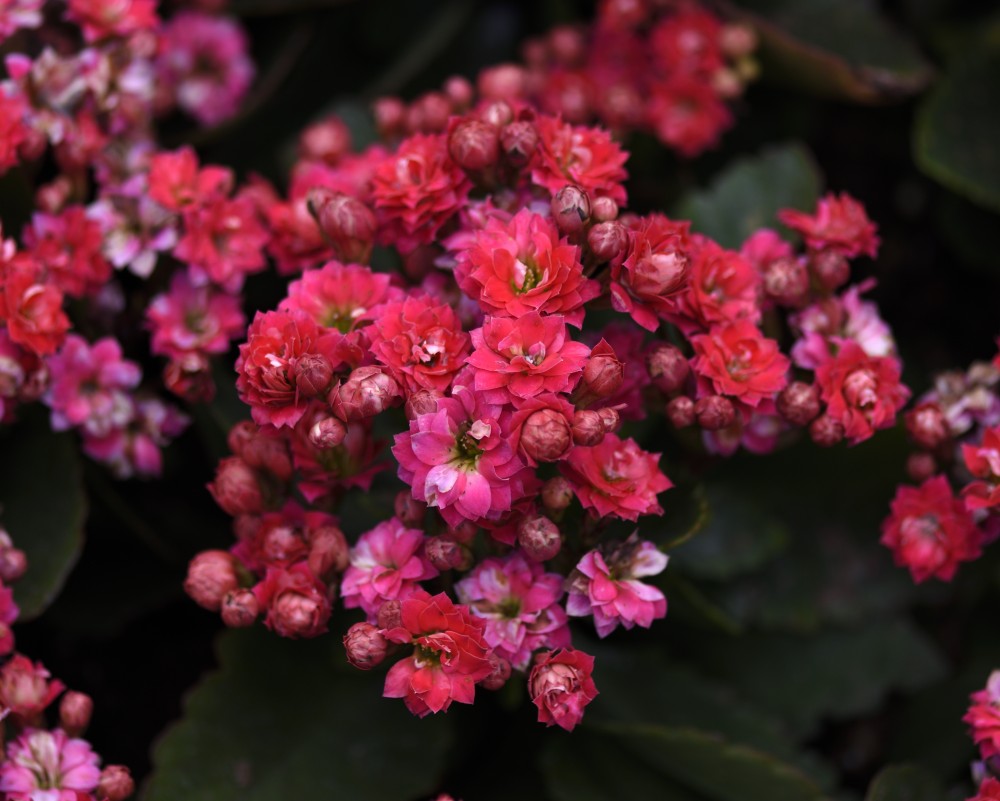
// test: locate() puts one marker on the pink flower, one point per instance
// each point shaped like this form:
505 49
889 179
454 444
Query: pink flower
561 685
616 478
604 584
983 461
739 361
193 319
48 766
983 717
297 603
322 471
135 448
840 224
420 341
520 604
68 246
585 156
518 359
91 386
416 191
14 130
458 460
930 531
8 614
723 287
17 14
387 564
100 19
687 42
338 295
989 790
687 114
512 268
450 654
177 183
27 688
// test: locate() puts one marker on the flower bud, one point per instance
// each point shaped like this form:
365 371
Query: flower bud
737 40
499 673
236 488
240 434
557 494
680 412
921 466
519 141
502 82
328 551
567 45
327 432
830 269
13 564
474 145
826 431
115 784
296 615
423 401
604 209
190 378
432 111
727 83
268 453
327 141
546 436
210 576
313 374
463 532
786 282
347 223
799 403
498 114
714 412
587 427
927 426
607 240
668 367
446 554
366 647
409 510
366 392
390 615
609 418
390 114
604 374
459 91
539 538
240 609
75 710
659 274
861 388
570 209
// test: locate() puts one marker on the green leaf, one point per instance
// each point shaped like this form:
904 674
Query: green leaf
278 721
42 506
904 783
835 48
639 762
958 127
748 194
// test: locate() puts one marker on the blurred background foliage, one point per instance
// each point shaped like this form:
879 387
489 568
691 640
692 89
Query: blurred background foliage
795 663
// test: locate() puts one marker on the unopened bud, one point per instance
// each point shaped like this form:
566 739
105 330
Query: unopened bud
13 564
328 551
236 487
498 114
327 433
423 401
519 140
268 453
409 510
714 412
327 140
240 434
294 614
499 673
539 538
604 209
799 403
240 609
502 82
825 431
737 39
313 374
210 576
830 269
366 392
609 418
680 412
474 145
604 374
587 427
567 45
366 647
347 223
727 83
433 110
115 784
463 532
668 367
390 115
75 710
459 91
607 240
546 435
660 274
927 426
570 209
557 494
921 466
447 554
390 615
786 282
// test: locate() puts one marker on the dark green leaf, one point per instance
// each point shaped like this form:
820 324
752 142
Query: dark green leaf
748 194
905 783
958 127
43 507
278 721
641 762
836 48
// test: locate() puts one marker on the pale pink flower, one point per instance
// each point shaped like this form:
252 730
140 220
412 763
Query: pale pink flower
48 766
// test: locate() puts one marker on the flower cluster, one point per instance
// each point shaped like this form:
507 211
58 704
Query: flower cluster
39 762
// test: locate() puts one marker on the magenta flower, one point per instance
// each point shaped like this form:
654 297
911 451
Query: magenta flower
193 319
48 766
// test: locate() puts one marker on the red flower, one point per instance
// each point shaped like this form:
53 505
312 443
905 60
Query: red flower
31 308
561 685
297 603
983 461
100 19
68 246
585 156
930 531
176 182
739 361
687 114
13 129
989 790
25 688
863 392
840 224
450 654
723 287
983 717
